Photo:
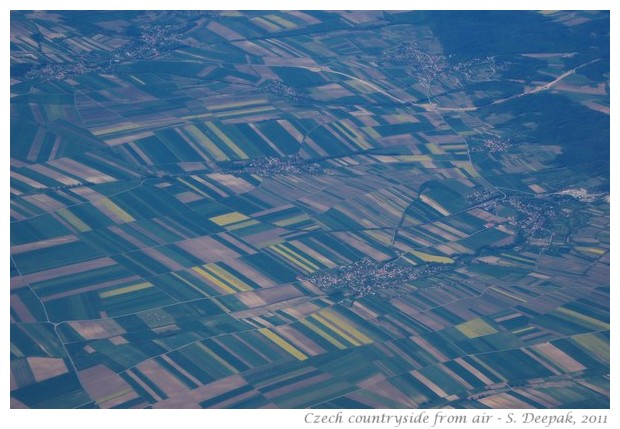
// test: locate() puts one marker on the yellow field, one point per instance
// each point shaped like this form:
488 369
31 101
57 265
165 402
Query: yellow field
294 257
229 278
509 295
475 328
434 204
594 250
73 220
344 324
454 147
291 220
119 212
217 358
280 342
434 149
225 288
229 218
517 258
466 165
381 236
192 187
341 333
413 158
594 345
520 331
308 323
432 258
358 139
241 154
204 141
124 290
585 319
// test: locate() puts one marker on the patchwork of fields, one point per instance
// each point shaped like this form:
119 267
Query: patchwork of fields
309 210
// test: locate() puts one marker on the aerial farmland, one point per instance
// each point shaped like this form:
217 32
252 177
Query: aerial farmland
310 209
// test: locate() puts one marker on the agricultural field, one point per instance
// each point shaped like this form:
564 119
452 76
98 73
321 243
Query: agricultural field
310 209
